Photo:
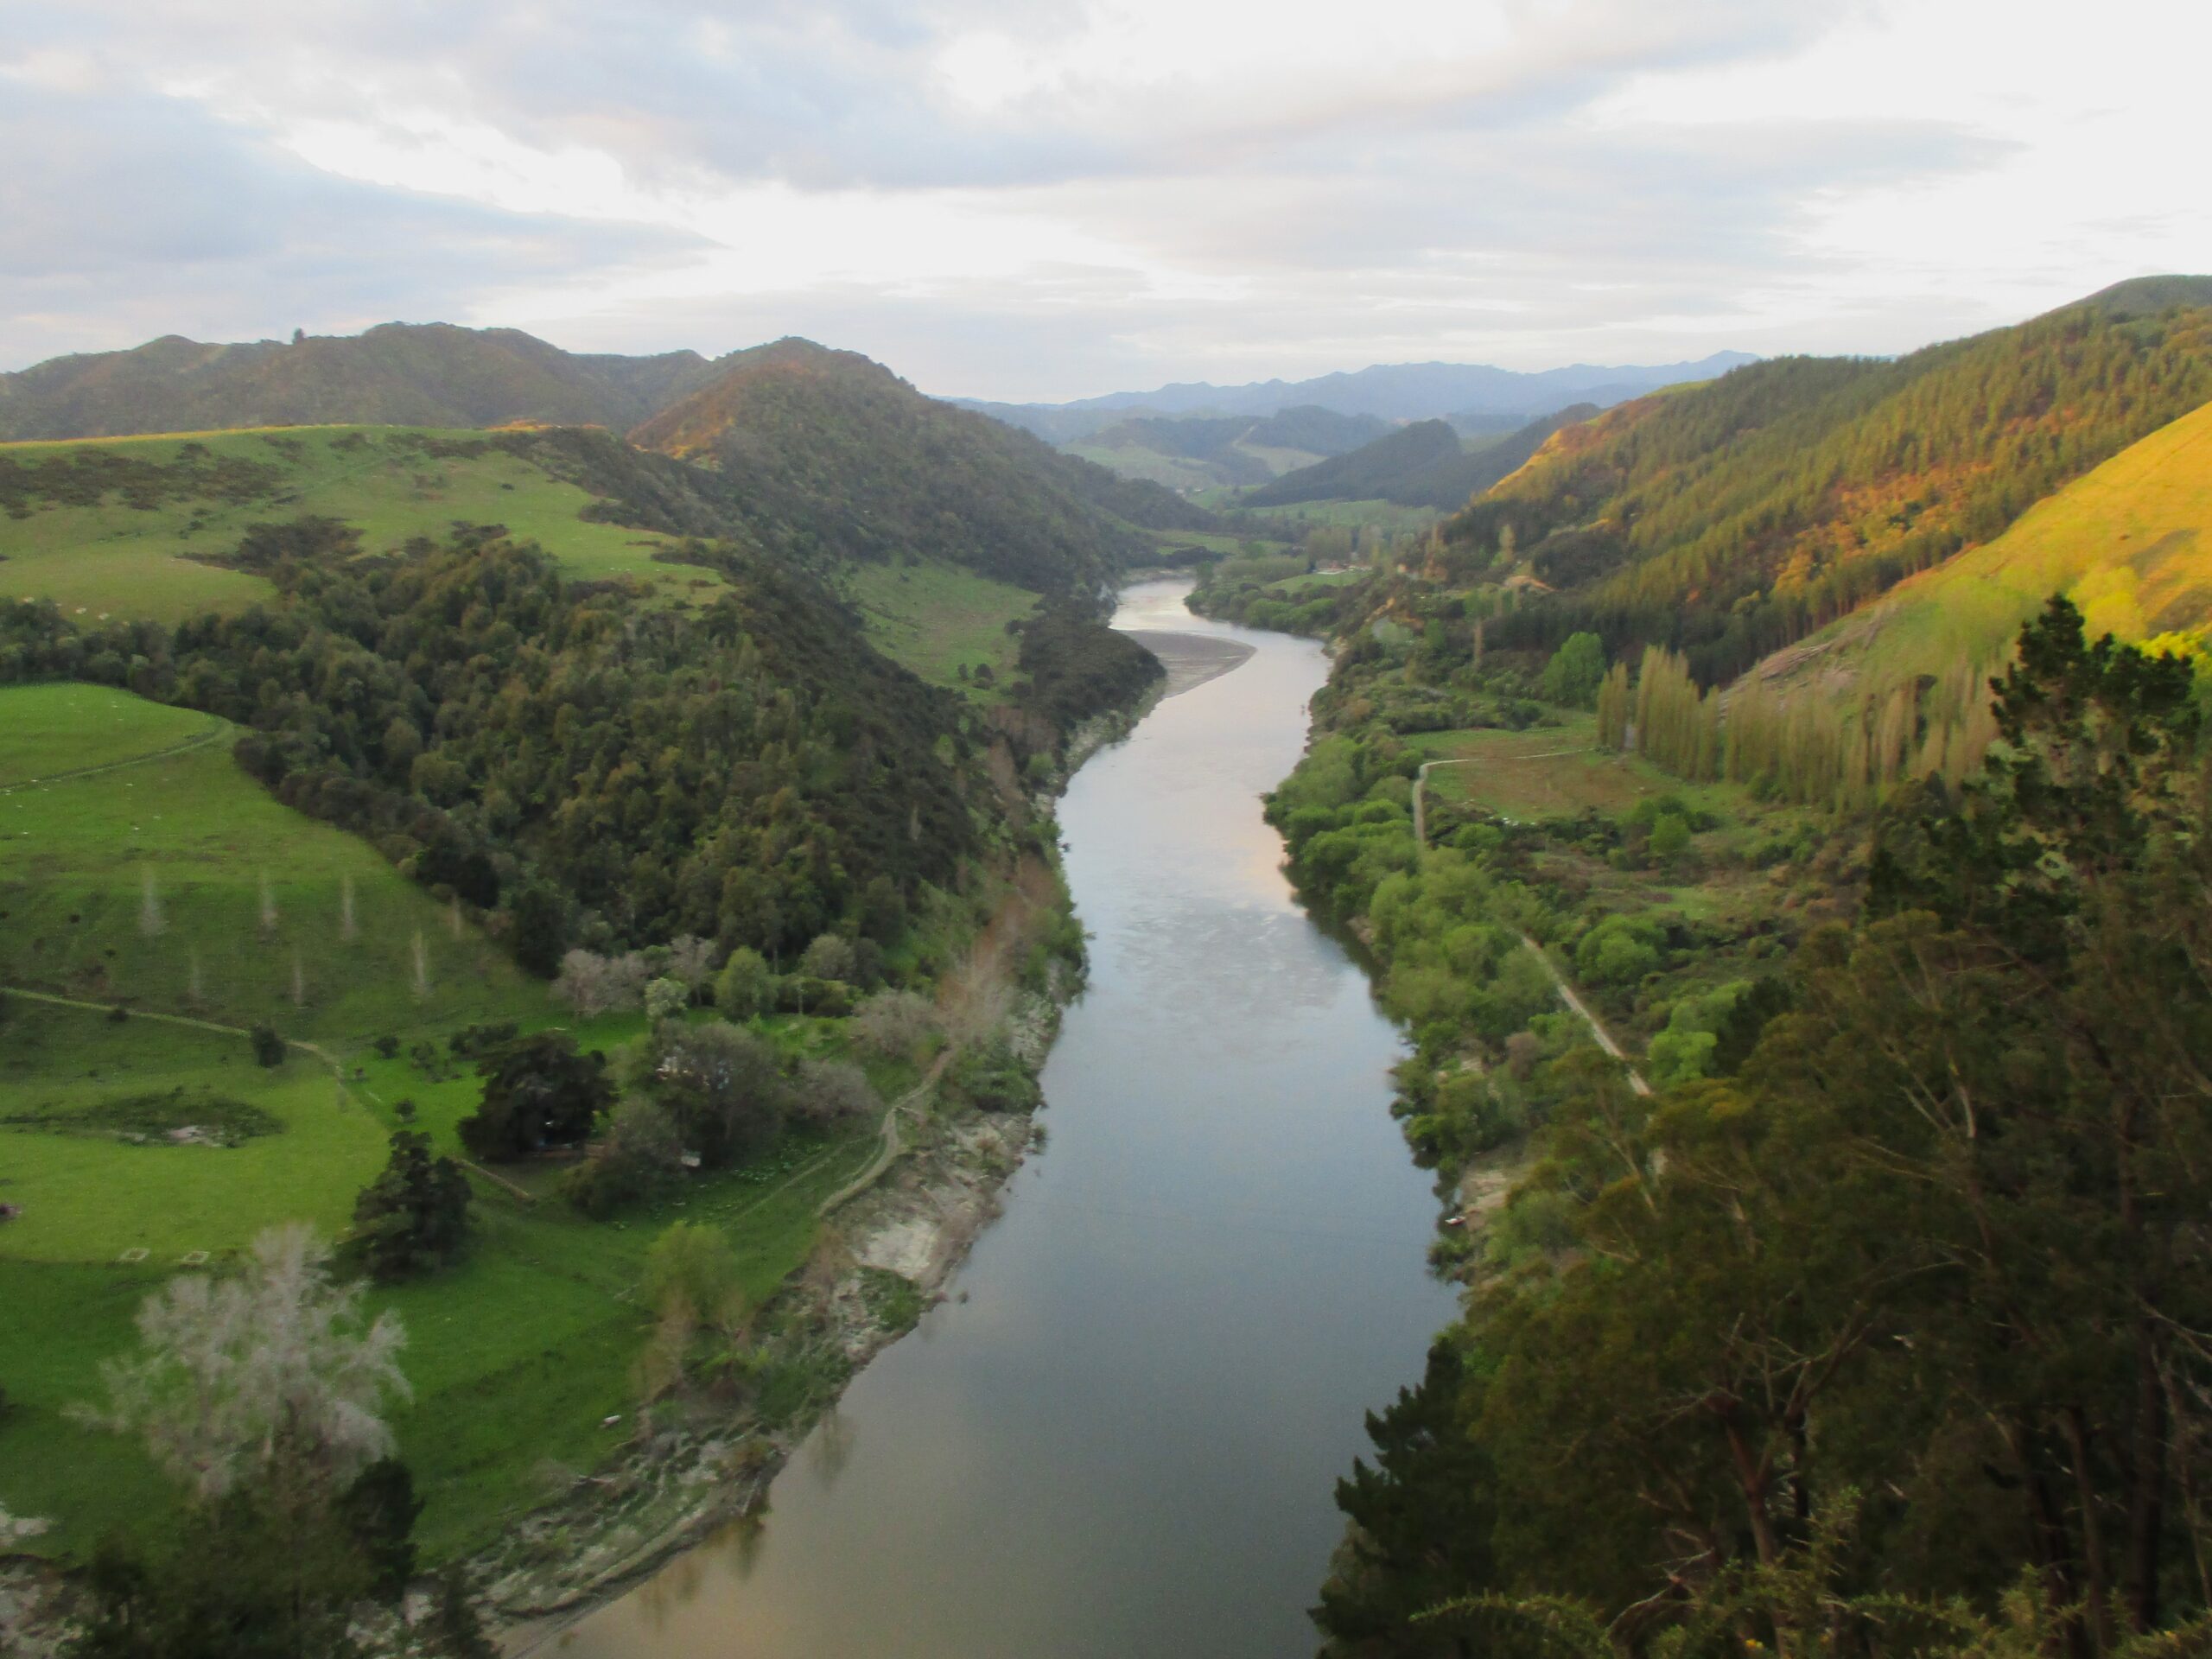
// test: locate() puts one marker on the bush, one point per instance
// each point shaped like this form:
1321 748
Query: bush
268 1046
745 986
638 1161
989 1078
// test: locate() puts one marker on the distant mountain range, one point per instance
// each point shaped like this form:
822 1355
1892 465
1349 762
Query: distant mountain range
1389 391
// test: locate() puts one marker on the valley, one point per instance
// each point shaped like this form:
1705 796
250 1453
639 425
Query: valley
690 870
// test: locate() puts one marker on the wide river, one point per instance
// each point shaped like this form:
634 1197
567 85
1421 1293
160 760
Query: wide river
1119 1439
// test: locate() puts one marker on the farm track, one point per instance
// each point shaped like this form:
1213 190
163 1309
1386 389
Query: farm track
1567 993
199 740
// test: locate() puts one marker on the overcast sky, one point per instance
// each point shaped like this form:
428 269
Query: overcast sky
1045 199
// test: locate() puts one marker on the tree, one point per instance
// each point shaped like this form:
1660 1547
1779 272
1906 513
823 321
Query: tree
455 1630
834 1095
414 1216
666 999
639 1160
722 1085
268 1046
1575 671
895 1023
829 956
539 1091
268 1375
1670 836
745 986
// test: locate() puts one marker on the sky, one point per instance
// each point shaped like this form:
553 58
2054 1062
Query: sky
1038 199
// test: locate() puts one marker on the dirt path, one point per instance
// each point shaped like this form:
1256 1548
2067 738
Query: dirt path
198 740
1566 991
1566 995
337 1070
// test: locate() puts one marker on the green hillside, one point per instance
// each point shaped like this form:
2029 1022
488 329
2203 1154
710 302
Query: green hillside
1426 464
1199 451
399 374
1732 519
2130 543
149 527
826 452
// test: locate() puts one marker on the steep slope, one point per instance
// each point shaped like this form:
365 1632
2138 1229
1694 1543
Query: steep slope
1733 519
2130 543
826 452
1423 465
398 374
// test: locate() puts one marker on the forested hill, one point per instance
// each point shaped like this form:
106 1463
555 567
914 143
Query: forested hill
399 374
1729 519
1421 465
825 450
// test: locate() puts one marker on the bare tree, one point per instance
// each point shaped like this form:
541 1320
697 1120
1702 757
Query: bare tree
268 905
149 904
348 928
895 1023
690 959
267 1374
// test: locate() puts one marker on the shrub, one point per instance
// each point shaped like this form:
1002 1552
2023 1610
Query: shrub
639 1159
268 1046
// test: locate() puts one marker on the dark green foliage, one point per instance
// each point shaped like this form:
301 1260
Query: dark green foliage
1076 667
453 1629
738 773
157 1117
265 549
639 1160
1896 1308
380 1509
991 1077
268 1046
829 455
1575 671
723 1088
414 1216
538 1092
1419 1519
399 374
1419 465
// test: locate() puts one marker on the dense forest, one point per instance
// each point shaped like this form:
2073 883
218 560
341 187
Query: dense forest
1727 520
579 765
1421 465
1878 1330
824 450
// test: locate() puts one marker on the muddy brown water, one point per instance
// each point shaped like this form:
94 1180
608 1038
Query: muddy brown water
1119 1441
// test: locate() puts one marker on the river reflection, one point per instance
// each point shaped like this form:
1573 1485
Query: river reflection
1121 1442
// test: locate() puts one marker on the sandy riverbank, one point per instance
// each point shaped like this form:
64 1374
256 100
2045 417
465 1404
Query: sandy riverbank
1191 660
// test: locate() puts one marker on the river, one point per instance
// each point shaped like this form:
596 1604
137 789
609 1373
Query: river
1119 1439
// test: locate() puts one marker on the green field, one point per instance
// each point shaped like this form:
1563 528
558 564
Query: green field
1385 515
145 881
175 881
2130 543
936 619
149 561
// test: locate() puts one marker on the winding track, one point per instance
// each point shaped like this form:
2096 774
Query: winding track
1566 991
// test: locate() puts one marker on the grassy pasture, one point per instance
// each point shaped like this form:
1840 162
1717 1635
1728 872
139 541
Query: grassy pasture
148 562
176 882
1544 772
936 619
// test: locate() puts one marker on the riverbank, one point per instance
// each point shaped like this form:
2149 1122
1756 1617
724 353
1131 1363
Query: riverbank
1120 1432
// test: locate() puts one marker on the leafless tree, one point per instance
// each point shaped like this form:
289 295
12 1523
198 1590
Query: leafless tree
268 1374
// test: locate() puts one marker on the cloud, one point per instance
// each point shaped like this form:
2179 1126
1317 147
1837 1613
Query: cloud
1032 198
146 214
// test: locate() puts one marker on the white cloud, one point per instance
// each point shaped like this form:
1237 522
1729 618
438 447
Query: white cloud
1064 196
